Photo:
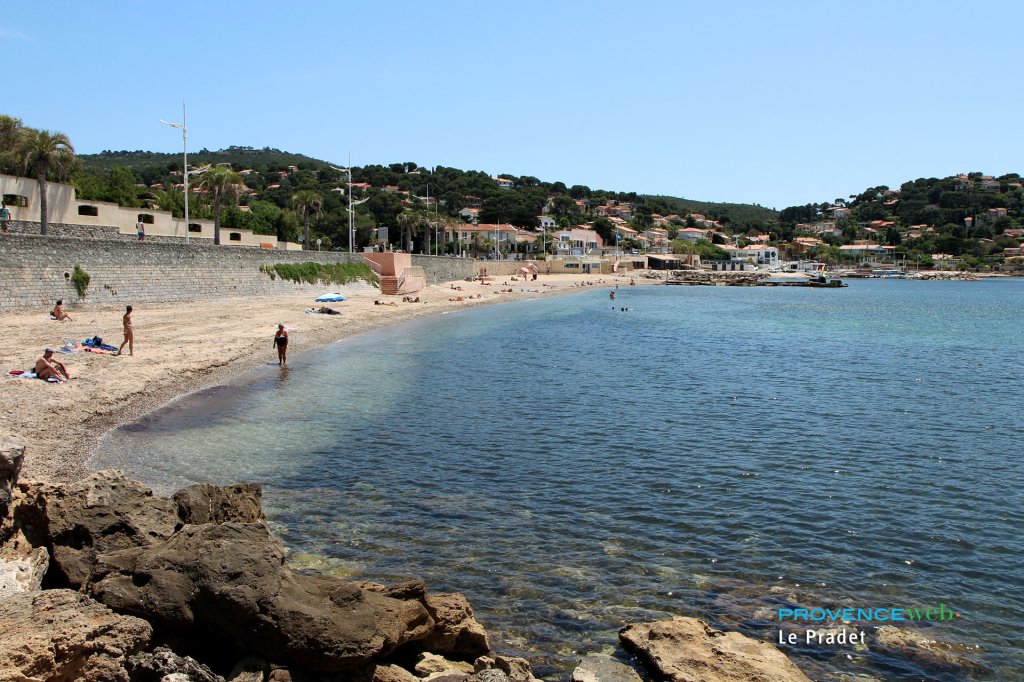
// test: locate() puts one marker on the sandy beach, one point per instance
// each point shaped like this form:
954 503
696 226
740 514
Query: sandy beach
187 346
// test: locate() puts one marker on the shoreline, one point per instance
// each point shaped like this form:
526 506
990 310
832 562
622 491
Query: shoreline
61 425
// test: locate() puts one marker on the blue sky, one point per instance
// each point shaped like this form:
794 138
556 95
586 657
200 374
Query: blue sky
776 103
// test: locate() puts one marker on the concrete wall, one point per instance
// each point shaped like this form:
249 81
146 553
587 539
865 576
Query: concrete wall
446 269
64 213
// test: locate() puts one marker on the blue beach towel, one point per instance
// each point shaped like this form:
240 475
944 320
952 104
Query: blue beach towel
97 342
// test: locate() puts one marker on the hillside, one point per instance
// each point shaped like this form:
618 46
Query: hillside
737 214
971 218
238 157
272 178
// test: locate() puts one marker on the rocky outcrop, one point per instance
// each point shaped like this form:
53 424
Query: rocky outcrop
926 652
12 454
515 669
456 632
163 665
22 566
393 673
429 663
64 635
601 668
104 512
689 650
205 503
250 669
211 582
226 585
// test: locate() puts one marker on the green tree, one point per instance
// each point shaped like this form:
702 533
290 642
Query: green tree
606 229
220 182
10 132
45 153
307 202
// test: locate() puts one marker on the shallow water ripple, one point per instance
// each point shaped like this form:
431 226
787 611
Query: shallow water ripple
713 452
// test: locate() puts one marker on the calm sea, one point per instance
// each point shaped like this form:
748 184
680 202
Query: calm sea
716 452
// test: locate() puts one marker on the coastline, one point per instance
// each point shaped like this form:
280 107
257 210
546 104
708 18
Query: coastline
184 347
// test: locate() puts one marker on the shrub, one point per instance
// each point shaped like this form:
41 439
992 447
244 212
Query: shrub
324 273
80 278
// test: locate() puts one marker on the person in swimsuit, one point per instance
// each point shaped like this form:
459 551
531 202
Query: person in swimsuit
47 367
58 312
281 341
129 335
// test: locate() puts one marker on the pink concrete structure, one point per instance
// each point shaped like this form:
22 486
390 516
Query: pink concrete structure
397 273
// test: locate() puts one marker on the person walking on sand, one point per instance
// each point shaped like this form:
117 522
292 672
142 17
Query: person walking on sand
5 217
47 367
281 341
140 228
129 334
59 313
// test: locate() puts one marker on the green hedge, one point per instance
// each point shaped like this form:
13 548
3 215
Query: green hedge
321 273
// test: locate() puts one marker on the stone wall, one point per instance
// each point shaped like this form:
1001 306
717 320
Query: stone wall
35 270
445 269
68 230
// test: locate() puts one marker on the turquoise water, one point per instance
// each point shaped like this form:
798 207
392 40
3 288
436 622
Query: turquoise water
718 452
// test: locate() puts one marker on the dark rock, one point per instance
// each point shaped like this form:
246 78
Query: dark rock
206 503
688 649
456 631
226 585
249 669
12 454
157 665
601 668
63 635
102 513
492 675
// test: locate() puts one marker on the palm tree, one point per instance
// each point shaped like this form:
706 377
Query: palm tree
220 182
306 202
413 223
407 220
45 153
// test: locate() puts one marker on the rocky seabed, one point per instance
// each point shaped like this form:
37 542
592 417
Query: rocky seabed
101 580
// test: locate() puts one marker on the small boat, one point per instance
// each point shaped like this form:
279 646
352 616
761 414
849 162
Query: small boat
823 282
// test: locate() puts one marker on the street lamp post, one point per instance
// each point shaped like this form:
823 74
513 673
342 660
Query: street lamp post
351 222
184 172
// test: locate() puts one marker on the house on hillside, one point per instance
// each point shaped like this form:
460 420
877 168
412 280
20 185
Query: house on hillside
546 222
576 242
470 236
693 234
504 183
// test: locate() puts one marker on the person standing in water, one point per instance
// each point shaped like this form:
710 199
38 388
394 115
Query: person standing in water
281 341
129 335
